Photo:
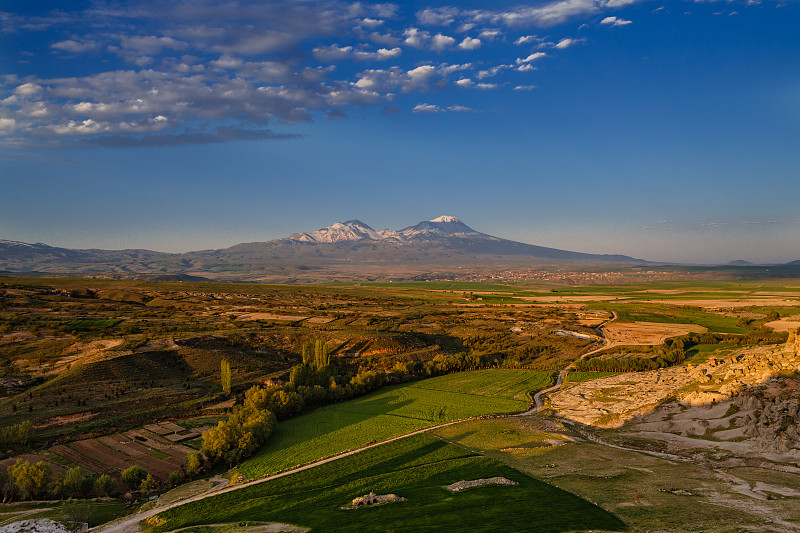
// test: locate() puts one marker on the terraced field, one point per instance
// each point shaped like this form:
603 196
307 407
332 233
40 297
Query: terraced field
393 411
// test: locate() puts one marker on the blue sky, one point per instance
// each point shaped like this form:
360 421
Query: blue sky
662 130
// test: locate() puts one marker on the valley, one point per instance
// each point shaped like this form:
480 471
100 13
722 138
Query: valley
115 373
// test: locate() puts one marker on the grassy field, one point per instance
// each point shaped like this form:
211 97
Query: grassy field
417 469
393 411
637 312
577 377
639 488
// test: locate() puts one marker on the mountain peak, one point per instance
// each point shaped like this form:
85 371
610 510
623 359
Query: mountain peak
445 218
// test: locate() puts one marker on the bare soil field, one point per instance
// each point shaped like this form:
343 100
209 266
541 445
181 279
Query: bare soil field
789 323
646 333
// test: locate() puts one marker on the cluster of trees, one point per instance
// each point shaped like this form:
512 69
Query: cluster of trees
245 430
28 481
671 353
16 436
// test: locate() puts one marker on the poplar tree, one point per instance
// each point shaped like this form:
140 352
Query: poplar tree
225 371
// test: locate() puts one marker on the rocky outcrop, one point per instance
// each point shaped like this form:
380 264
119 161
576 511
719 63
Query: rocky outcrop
375 499
461 485
793 343
37 525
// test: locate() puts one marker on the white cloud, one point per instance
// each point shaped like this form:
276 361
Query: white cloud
524 87
486 86
566 43
442 16
490 34
433 109
442 42
331 53
533 57
371 23
7 125
416 38
469 44
525 67
493 71
74 47
465 83
614 21
426 108
28 89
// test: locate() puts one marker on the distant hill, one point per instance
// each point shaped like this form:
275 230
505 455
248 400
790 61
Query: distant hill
740 262
340 251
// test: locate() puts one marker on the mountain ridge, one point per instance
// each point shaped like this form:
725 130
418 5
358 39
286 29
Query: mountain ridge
441 244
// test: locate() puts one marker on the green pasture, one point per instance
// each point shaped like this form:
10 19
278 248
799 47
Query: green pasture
393 411
700 353
416 468
632 312
578 377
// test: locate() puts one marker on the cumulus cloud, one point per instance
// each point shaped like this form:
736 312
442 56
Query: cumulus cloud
177 72
442 42
524 87
614 21
469 44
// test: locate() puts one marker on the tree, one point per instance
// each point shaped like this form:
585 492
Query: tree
225 371
175 477
147 484
73 479
134 476
104 485
30 480
193 464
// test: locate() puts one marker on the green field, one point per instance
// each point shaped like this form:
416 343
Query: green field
393 411
577 377
417 469
671 315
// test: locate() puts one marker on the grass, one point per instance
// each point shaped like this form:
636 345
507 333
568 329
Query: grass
637 312
578 377
700 353
416 468
390 412
628 483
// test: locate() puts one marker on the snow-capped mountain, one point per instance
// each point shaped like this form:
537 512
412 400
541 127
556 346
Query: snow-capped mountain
444 242
352 230
444 226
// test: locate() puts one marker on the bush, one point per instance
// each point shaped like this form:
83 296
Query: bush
133 477
103 485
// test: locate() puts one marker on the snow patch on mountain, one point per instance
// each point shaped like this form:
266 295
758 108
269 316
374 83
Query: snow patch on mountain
352 230
441 227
